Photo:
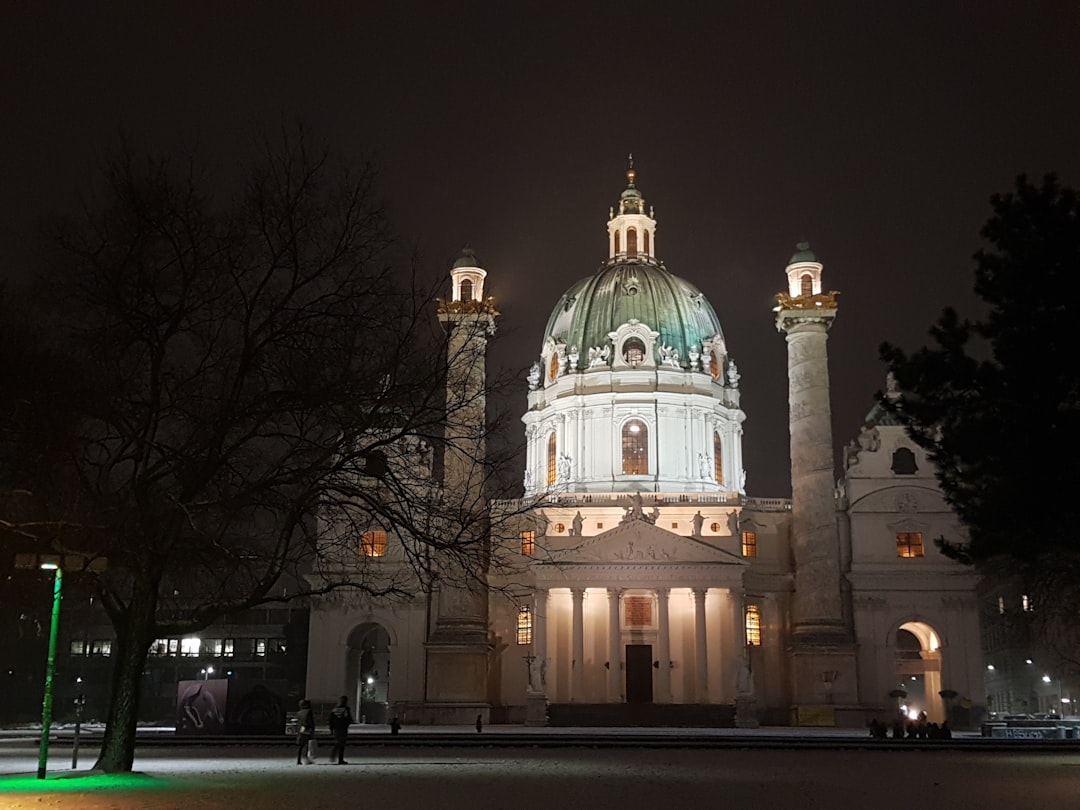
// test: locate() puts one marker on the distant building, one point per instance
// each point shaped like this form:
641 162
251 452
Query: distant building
640 582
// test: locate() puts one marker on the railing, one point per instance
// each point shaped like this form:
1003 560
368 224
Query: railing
649 498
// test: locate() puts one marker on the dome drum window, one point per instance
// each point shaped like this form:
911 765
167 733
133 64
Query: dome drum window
635 448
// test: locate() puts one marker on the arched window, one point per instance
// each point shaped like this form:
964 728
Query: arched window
633 352
631 242
635 448
618 242
807 282
553 367
645 238
718 458
466 290
552 466
903 462
715 369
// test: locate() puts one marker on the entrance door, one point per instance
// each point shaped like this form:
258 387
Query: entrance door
639 673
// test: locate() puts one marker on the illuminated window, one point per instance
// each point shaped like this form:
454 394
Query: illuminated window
160 646
714 527
228 646
1001 605
909 544
552 462
633 352
1025 603
524 625
528 543
635 448
645 237
78 648
553 367
714 366
373 544
214 646
718 458
806 284
753 625
466 290
749 544
631 242
560 528
102 647
260 647
190 647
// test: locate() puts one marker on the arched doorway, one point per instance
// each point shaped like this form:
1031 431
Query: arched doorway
918 670
368 672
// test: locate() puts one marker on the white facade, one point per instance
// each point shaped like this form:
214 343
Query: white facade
636 575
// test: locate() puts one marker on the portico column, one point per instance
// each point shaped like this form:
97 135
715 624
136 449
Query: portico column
701 662
540 611
577 680
614 675
663 648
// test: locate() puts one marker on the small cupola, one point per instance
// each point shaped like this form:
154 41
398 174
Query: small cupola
467 277
804 272
631 232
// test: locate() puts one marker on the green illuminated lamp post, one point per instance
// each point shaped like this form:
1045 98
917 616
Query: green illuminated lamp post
50 669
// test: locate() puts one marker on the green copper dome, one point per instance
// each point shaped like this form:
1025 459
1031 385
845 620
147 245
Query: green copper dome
633 289
803 254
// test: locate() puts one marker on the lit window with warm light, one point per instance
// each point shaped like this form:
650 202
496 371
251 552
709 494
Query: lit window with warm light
753 625
552 461
718 458
190 647
635 448
373 544
909 544
1025 603
749 544
528 543
524 625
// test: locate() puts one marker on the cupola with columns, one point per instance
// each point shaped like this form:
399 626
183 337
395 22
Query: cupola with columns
631 233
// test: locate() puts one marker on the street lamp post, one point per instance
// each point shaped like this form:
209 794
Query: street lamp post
50 669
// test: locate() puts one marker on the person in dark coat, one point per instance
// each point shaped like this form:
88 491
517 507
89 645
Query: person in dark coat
305 732
340 720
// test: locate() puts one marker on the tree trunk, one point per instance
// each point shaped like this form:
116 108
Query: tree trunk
133 637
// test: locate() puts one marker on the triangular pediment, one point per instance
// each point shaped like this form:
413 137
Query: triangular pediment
638 541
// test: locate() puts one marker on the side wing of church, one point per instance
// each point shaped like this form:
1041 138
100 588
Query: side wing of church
636 582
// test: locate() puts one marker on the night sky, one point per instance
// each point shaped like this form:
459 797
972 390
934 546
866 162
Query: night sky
876 130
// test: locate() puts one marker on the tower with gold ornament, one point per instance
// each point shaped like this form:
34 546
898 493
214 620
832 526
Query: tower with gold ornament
822 652
458 649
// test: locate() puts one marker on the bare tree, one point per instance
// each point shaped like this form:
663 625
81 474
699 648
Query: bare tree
258 388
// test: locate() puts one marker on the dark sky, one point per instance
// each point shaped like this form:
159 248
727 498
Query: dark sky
876 130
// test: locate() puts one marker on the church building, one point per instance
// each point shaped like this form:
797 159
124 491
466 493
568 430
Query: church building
637 582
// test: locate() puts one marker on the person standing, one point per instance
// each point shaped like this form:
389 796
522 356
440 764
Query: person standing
340 720
305 732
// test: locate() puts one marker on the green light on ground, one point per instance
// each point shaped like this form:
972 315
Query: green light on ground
79 783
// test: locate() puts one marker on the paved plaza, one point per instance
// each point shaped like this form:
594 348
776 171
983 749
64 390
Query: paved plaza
767 769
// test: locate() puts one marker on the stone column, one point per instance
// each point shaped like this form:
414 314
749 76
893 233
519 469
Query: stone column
701 652
577 682
663 648
540 651
822 649
614 672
